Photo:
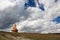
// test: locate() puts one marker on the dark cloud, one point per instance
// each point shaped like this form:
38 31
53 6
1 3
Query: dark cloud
10 16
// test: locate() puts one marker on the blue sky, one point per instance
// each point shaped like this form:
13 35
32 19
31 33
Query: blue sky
31 3
57 19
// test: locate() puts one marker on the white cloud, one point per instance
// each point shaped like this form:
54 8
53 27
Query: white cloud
34 13
45 23
33 19
5 3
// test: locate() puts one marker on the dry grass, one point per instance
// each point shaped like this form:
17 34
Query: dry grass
29 36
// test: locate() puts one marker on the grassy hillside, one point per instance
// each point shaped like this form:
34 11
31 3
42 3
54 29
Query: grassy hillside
28 36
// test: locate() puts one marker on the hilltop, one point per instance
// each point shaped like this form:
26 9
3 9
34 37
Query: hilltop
28 36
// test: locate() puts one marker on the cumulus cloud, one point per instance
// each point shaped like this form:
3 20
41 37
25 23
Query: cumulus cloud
43 22
10 12
33 19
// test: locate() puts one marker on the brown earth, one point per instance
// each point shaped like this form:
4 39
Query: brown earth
28 36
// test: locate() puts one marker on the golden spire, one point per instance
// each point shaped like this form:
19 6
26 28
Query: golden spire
14 28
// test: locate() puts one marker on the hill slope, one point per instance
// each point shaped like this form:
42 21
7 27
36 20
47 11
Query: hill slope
28 36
